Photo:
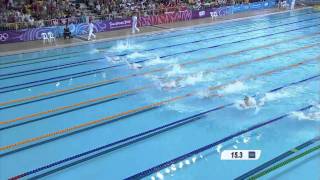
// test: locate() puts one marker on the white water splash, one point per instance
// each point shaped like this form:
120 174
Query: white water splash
246 140
157 60
124 46
167 170
275 96
135 55
168 85
176 70
194 159
233 88
193 79
159 176
57 84
173 167
218 148
311 116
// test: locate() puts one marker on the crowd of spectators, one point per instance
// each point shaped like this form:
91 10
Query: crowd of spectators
36 13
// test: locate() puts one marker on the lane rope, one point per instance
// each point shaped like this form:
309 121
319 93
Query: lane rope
148 107
149 72
148 86
144 135
166 164
90 72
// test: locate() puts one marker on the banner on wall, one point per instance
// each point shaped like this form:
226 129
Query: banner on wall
102 26
165 18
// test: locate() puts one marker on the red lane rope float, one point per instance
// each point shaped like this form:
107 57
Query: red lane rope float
148 72
148 107
148 86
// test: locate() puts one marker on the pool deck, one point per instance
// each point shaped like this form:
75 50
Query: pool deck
23 47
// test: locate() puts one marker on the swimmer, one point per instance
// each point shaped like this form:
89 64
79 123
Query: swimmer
133 65
248 102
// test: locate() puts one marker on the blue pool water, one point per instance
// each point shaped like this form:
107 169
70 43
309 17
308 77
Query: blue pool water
82 112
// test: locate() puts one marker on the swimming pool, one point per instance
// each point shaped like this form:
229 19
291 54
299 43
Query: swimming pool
84 112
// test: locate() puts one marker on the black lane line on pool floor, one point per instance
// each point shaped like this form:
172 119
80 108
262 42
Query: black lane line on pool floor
73 64
161 33
166 164
278 158
90 72
138 137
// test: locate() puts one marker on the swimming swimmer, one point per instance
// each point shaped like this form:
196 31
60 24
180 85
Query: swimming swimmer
248 102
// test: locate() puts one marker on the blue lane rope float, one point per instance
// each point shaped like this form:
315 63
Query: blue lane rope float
118 95
252 173
90 72
48 95
157 34
160 129
129 113
207 147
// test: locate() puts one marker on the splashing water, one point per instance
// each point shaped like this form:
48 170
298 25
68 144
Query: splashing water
311 116
193 79
135 55
176 70
233 88
159 175
124 46
218 148
57 84
275 96
157 60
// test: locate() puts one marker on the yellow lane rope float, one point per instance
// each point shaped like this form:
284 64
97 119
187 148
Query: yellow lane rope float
211 58
150 106
146 87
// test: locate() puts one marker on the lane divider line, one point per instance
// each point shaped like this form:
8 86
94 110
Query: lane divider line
161 166
90 72
150 72
137 138
146 87
121 115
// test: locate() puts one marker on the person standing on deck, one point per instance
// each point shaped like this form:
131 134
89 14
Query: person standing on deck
135 23
91 31
293 2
